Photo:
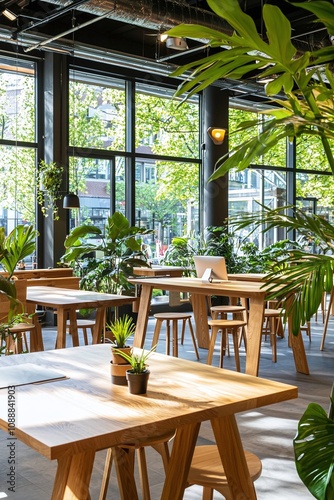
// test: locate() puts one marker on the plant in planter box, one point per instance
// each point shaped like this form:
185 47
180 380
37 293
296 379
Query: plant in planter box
138 375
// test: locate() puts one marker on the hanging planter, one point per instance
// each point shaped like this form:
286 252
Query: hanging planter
49 181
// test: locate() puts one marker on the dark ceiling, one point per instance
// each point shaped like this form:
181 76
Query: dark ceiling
131 26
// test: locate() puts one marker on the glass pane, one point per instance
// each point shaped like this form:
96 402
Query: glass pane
17 100
249 188
316 193
96 112
166 201
310 154
163 126
91 179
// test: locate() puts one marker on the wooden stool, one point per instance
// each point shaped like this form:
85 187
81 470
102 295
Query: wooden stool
83 324
273 319
238 312
226 326
174 318
159 443
17 338
207 470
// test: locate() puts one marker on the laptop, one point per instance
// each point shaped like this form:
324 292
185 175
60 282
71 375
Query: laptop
216 265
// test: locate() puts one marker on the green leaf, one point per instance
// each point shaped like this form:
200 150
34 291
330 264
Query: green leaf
314 451
279 34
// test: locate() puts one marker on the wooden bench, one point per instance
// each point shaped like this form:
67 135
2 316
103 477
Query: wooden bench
58 272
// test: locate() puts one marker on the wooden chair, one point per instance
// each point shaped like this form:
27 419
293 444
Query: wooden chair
173 318
207 470
237 312
16 339
84 325
159 443
226 326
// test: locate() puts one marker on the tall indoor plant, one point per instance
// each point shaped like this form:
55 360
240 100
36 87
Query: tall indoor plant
306 108
105 261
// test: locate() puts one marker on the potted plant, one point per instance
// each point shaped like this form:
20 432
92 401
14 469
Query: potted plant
106 261
49 181
138 375
121 329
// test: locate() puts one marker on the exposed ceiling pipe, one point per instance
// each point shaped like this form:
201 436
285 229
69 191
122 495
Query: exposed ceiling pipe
157 15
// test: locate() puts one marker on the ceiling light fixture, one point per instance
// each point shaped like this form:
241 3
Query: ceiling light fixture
177 43
9 14
216 134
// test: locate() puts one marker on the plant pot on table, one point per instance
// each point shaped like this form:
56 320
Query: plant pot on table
137 382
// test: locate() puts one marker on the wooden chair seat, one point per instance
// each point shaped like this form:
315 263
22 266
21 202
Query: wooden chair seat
207 470
159 443
18 338
173 318
226 326
84 325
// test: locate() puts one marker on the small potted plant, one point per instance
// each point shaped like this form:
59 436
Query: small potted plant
121 330
138 375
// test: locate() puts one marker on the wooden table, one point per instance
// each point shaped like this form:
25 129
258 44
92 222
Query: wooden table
67 301
69 420
254 291
174 271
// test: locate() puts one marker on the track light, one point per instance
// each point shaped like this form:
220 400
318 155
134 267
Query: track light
217 135
9 14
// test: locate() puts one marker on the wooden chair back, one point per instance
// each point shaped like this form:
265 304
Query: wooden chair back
21 295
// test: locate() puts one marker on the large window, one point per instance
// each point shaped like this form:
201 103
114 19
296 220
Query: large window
17 142
164 164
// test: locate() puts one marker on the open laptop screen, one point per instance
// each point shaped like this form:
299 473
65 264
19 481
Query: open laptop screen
217 265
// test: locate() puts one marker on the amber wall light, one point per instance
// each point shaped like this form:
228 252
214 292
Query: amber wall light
216 134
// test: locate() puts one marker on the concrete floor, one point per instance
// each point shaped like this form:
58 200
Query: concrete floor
268 431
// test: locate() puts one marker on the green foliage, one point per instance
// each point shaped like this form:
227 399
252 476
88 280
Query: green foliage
120 250
137 361
302 276
307 109
19 244
314 451
49 181
122 329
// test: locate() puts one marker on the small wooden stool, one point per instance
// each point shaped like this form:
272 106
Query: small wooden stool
18 332
174 318
83 324
238 312
159 443
226 326
274 319
206 470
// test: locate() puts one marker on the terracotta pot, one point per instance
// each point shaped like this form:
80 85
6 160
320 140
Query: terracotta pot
137 382
118 373
117 359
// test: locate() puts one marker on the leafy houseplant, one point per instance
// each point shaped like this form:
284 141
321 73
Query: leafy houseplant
49 180
138 375
115 253
314 450
121 329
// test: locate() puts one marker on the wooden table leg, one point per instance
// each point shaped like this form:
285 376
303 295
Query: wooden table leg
73 477
61 328
233 457
74 327
254 335
178 468
99 326
36 338
124 469
199 307
142 320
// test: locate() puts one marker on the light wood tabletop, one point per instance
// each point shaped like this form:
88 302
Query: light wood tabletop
69 420
253 290
67 301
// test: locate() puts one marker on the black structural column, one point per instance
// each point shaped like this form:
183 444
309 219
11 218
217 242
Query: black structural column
55 149
215 105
